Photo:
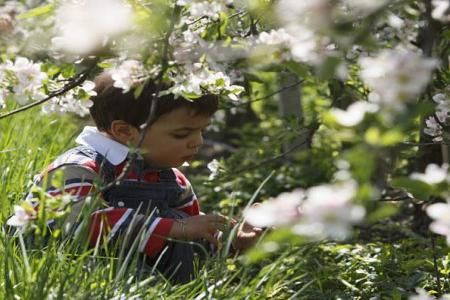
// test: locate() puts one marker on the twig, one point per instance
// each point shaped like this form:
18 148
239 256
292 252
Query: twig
436 267
269 95
151 115
74 82
215 21
277 157
196 21
423 144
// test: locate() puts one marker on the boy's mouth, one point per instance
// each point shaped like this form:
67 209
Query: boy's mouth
188 157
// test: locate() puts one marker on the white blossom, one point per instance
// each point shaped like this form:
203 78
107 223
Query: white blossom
21 217
279 211
314 14
395 21
433 127
196 79
364 6
210 9
6 24
295 42
421 295
328 212
323 211
441 10
68 103
275 37
434 174
434 124
86 26
440 213
26 79
2 100
128 74
396 76
188 46
305 22
205 8
354 113
214 167
183 2
8 14
443 102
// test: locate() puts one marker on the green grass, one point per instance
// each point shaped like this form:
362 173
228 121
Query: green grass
64 270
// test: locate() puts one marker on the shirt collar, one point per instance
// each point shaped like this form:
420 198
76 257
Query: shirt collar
113 151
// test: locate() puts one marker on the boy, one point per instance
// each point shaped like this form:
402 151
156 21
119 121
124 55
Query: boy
153 196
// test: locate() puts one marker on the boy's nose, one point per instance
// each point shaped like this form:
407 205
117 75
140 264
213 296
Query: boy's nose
196 143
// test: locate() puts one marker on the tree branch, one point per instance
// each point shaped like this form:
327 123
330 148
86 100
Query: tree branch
280 156
73 82
151 116
269 95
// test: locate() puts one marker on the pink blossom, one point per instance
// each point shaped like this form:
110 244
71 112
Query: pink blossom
280 211
440 213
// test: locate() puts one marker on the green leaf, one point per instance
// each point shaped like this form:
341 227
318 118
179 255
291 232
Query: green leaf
418 188
223 23
297 68
190 96
220 82
253 77
372 136
138 91
385 211
392 137
57 179
328 69
38 11
105 65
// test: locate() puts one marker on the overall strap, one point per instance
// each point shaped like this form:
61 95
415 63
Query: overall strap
107 170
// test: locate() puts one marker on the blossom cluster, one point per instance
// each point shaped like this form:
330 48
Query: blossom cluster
354 113
296 43
210 9
438 212
74 101
396 77
306 34
128 74
21 80
8 14
423 295
434 174
39 203
435 124
85 27
441 10
197 79
324 211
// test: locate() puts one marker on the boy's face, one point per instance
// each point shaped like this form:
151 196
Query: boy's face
174 138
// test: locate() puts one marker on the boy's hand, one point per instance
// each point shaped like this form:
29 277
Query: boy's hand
247 235
197 227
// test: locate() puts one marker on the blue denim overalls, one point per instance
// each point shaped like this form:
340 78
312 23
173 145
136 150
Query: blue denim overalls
157 199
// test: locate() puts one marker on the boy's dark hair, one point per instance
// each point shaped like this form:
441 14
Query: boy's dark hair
112 103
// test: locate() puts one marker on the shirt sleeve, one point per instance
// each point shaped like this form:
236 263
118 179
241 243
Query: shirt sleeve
106 224
188 201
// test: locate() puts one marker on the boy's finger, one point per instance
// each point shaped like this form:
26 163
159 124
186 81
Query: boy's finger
212 240
218 218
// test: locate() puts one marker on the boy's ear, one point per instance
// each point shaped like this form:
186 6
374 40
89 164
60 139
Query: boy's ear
123 132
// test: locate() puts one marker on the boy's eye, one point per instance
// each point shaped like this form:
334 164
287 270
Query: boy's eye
180 136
